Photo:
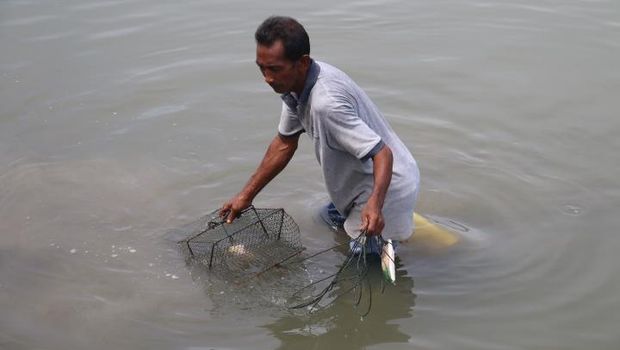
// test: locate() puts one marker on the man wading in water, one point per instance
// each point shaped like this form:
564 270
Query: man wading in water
371 177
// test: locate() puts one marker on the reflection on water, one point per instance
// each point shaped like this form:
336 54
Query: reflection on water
340 326
337 322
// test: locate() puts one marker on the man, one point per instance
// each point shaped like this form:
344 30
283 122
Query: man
371 177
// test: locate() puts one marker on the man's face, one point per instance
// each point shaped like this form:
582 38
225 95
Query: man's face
282 74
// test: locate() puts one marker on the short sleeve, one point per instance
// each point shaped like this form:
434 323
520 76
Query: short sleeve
289 122
347 132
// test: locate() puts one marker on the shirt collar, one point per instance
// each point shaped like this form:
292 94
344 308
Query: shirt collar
313 74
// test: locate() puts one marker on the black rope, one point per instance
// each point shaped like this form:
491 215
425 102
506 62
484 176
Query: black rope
354 259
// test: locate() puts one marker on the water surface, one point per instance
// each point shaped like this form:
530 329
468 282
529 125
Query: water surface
122 119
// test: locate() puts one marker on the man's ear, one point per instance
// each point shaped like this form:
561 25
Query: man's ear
305 61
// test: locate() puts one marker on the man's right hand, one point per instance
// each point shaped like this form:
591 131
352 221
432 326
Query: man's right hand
231 209
278 154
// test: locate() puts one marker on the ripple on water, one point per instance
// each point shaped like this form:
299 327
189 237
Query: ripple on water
160 111
28 20
116 33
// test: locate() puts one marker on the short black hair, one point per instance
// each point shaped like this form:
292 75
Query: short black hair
293 35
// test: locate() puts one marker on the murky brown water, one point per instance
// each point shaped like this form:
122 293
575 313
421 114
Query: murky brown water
122 119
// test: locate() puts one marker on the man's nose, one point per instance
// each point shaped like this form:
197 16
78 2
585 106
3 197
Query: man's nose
268 79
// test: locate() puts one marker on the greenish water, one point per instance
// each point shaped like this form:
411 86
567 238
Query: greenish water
122 119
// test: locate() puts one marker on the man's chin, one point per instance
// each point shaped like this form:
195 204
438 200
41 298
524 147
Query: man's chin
279 89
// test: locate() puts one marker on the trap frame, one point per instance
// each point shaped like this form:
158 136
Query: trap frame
257 239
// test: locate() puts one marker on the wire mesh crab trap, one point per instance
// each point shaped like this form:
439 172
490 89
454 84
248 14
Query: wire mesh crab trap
255 241
262 250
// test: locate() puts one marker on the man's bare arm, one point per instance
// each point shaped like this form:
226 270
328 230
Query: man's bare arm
277 156
372 216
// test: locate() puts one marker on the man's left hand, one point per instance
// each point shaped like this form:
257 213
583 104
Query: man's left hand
372 219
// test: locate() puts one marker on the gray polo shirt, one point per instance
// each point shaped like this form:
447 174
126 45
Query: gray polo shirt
347 130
